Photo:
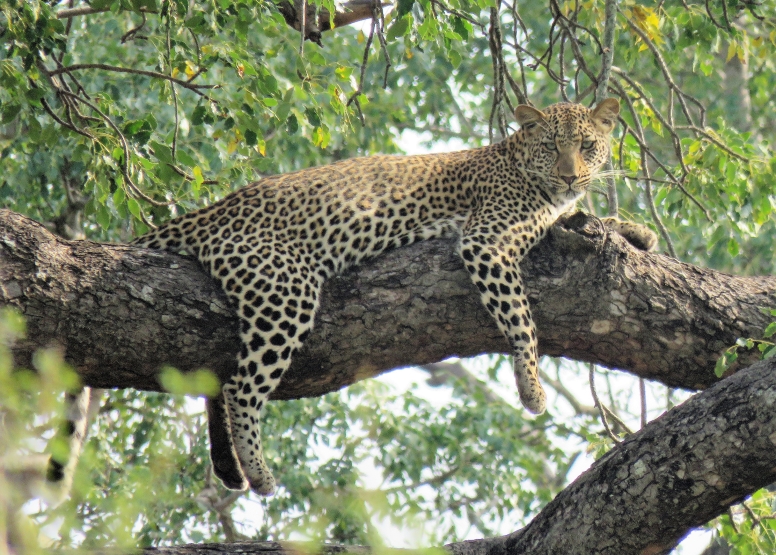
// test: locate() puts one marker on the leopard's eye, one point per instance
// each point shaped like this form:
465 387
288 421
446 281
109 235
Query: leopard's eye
550 146
587 145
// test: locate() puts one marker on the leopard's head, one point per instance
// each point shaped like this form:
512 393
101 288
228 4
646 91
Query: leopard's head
565 144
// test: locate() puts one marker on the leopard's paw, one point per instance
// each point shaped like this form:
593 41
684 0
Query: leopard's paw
638 235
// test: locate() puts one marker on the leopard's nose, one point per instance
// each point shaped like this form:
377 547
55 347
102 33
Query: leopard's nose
569 179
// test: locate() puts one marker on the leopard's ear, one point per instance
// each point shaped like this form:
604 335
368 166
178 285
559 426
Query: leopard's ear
528 117
605 114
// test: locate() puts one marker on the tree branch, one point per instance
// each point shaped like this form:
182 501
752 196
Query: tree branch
646 494
120 312
117 69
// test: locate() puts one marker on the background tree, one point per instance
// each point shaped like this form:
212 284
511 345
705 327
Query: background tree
119 114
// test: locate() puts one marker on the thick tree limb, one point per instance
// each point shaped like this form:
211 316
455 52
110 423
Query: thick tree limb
120 313
317 19
646 494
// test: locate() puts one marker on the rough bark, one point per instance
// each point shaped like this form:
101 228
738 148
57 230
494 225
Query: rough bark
646 494
120 313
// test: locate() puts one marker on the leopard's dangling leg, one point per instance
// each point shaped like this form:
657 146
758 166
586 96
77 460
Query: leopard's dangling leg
492 263
277 319
525 361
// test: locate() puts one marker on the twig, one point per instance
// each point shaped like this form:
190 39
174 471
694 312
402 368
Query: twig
733 520
458 14
125 146
644 148
617 420
607 57
303 28
638 133
601 409
365 60
666 123
117 69
496 55
176 123
728 26
520 92
714 141
664 69
377 9
130 35
188 177
88 10
607 54
63 123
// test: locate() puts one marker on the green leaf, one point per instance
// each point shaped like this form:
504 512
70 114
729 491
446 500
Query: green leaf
316 58
455 58
463 28
10 111
312 117
399 28
250 137
198 115
770 330
292 125
134 207
198 177
732 247
404 7
35 94
725 361
103 217
162 152
119 197
185 158
33 129
344 72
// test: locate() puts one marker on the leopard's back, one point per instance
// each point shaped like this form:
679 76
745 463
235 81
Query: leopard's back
332 217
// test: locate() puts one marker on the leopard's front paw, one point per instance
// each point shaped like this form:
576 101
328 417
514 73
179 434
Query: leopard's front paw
638 235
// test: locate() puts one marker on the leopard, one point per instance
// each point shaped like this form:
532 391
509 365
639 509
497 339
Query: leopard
273 243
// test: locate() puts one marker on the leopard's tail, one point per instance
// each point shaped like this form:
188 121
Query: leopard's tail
69 440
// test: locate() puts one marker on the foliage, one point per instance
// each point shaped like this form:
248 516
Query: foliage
137 110
766 348
751 528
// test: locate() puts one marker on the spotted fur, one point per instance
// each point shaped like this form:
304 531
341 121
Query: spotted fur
272 244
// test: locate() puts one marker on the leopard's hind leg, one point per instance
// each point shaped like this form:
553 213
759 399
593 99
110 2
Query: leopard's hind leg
276 308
